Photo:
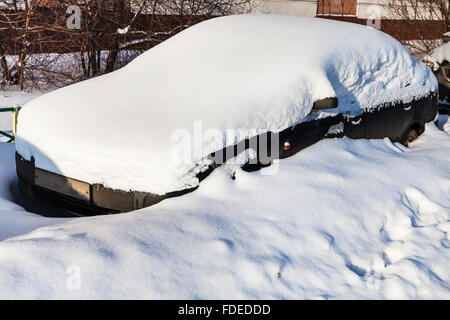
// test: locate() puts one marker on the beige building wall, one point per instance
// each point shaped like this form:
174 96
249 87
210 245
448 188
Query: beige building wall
370 9
366 9
306 8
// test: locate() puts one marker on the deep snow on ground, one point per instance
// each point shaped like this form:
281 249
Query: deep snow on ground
444 123
341 219
229 78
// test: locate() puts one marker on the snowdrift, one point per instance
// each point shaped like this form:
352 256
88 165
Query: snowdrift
344 219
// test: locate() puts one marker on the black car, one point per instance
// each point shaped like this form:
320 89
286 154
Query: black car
343 80
443 76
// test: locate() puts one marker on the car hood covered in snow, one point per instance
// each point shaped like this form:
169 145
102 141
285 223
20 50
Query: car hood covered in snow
129 129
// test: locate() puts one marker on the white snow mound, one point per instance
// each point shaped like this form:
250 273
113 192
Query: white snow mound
439 55
239 72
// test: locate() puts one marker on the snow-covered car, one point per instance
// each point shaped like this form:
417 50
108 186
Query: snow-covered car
439 62
443 76
253 87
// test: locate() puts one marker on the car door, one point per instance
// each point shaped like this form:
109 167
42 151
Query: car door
389 121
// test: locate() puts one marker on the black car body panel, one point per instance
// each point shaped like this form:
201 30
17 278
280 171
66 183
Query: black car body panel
389 120
443 77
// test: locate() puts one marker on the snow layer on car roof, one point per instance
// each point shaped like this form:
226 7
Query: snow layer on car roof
128 129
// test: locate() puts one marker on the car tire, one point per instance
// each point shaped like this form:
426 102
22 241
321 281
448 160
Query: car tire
410 135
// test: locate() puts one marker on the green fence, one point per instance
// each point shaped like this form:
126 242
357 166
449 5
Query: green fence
15 113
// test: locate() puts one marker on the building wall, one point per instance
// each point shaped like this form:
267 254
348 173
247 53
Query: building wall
363 9
366 12
368 9
307 8
337 7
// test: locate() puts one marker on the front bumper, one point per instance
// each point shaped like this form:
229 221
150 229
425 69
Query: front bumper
62 193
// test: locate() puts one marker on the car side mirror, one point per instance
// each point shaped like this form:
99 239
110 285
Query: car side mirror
327 103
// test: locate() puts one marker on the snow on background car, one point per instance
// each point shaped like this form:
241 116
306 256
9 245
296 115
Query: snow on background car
439 55
341 219
251 72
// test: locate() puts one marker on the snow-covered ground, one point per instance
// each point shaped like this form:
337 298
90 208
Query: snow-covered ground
341 219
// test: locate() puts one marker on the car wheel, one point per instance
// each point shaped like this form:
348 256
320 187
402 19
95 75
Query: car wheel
409 137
